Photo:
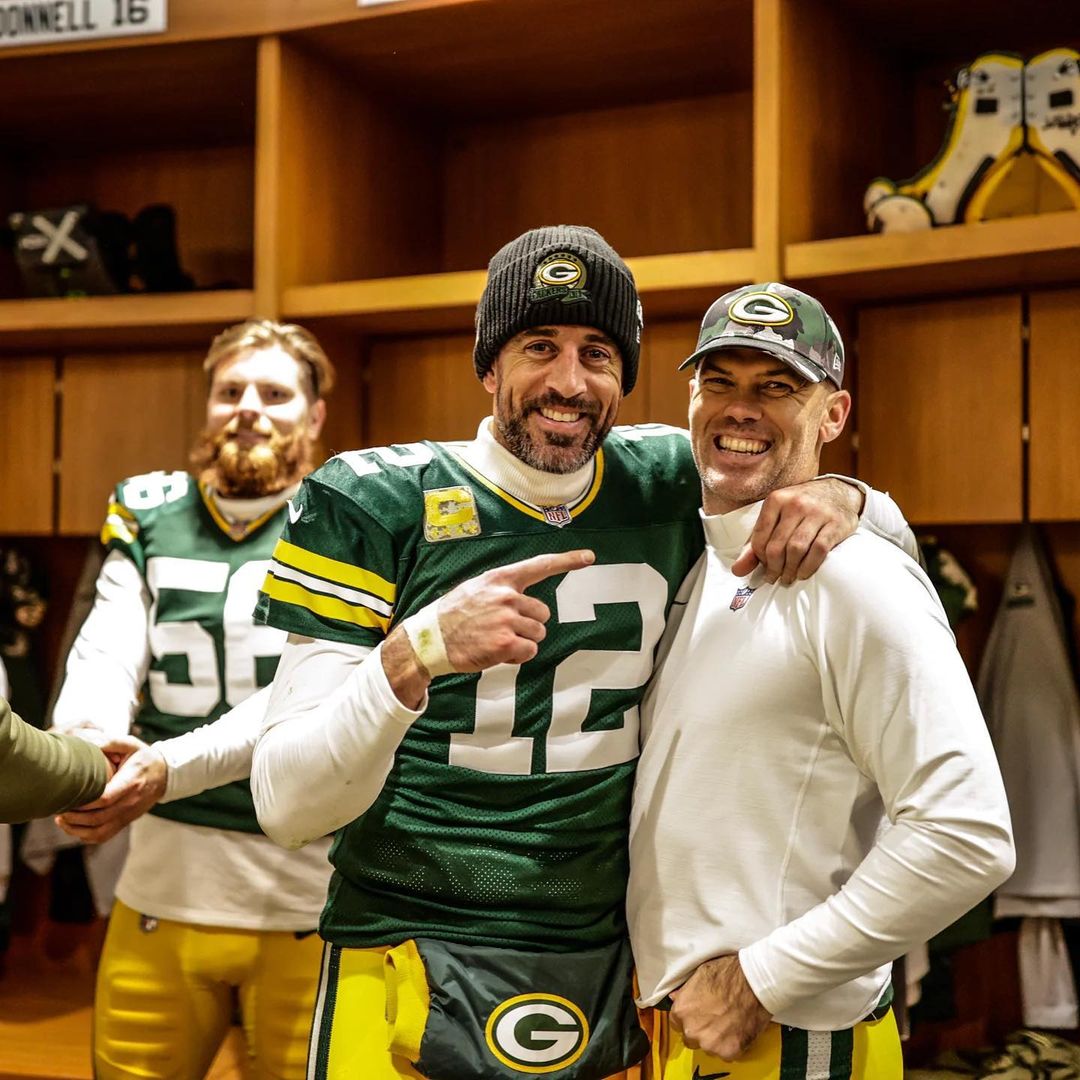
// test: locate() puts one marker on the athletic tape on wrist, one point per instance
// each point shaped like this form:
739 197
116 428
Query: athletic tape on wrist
425 636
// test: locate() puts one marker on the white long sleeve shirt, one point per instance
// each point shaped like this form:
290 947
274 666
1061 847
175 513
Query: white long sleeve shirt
783 726
189 873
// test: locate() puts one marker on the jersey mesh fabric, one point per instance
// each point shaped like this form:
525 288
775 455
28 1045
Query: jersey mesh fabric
540 848
163 516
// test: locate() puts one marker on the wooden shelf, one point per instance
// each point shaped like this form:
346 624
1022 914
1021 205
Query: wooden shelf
931 29
128 99
115 321
1013 252
669 284
478 58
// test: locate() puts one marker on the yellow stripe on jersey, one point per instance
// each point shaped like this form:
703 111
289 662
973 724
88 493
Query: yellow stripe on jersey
236 531
120 524
526 508
338 572
330 607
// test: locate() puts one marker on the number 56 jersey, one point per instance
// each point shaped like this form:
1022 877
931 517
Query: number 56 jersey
206 655
504 818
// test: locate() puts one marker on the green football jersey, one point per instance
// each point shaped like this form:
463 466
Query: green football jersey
504 818
207 654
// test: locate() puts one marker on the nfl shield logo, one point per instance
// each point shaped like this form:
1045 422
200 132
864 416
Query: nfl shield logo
557 516
741 597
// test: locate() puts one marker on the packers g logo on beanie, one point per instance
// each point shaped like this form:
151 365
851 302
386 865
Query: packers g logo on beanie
560 276
537 1033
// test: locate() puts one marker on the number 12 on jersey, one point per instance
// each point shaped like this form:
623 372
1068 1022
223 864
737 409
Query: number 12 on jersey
492 746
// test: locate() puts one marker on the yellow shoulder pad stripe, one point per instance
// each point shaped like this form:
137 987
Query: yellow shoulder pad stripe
338 572
288 592
120 524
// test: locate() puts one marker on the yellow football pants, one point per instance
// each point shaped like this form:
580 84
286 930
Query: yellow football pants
349 1034
165 998
869 1051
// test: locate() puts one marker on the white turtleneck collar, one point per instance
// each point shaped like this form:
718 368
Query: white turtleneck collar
242 510
533 486
727 533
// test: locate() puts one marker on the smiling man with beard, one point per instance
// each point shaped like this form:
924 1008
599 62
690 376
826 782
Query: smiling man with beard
471 629
208 910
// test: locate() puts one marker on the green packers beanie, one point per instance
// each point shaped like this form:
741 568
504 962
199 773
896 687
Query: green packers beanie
560 275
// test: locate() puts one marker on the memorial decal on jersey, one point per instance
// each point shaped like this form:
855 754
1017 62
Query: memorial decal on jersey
741 598
537 1033
450 514
54 22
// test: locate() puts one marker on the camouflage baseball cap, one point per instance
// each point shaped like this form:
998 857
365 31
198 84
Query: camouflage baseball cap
779 320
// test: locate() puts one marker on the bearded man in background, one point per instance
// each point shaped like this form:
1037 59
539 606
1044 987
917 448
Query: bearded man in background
209 913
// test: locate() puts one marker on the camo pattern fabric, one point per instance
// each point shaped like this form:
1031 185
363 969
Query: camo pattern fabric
779 320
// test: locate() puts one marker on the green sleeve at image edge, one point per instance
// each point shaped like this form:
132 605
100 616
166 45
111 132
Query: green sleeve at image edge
44 773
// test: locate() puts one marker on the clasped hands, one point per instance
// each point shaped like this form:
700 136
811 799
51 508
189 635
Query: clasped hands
139 776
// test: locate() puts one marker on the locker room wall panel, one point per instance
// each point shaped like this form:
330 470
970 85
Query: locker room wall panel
422 388
28 423
664 347
344 427
661 178
123 414
939 407
1054 406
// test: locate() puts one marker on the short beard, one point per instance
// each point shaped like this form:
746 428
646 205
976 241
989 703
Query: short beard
250 472
513 426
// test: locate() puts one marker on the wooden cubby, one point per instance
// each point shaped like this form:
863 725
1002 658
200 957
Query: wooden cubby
881 113
642 127
108 127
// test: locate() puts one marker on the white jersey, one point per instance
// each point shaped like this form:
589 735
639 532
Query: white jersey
786 726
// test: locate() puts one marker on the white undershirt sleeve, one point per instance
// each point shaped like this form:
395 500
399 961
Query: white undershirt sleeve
107 664
898 695
214 754
331 732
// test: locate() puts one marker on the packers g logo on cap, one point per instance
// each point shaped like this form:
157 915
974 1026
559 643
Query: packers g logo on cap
761 309
560 276
537 1033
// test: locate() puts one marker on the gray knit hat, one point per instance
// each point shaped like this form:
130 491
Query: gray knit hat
560 275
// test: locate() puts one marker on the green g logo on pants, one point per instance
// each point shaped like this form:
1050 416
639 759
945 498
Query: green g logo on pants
537 1033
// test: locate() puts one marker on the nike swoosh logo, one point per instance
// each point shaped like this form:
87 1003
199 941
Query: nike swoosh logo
295 511
699 1075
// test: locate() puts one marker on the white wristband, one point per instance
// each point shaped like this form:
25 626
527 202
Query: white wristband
425 636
